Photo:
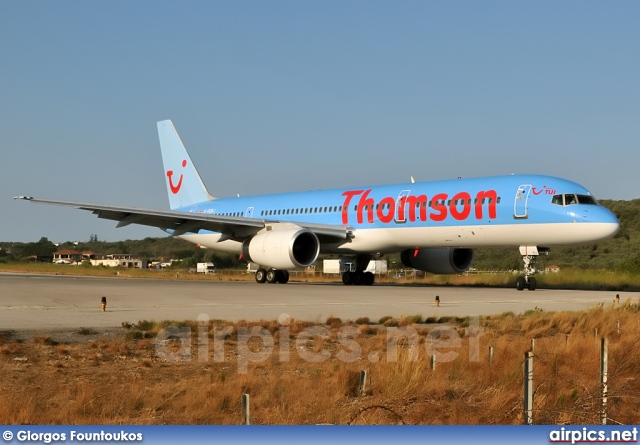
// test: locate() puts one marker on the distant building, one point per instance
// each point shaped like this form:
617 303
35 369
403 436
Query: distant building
117 260
88 255
67 257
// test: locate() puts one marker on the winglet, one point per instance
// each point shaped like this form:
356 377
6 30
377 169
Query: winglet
184 185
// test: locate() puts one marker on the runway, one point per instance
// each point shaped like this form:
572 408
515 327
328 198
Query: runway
52 302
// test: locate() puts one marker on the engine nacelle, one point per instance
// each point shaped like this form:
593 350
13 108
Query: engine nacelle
283 248
438 261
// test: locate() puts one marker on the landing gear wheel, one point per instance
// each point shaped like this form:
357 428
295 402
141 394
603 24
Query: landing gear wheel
347 278
529 257
261 275
282 276
368 278
358 278
532 283
272 276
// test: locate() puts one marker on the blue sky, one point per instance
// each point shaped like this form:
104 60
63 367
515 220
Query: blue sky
273 96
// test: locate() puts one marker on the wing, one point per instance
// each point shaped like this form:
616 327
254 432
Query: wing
179 223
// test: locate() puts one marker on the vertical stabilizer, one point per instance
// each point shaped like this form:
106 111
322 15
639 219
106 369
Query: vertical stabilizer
184 185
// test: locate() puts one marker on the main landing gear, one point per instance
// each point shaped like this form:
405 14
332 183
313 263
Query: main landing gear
529 257
359 276
272 276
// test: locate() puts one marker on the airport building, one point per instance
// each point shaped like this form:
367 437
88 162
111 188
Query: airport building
116 260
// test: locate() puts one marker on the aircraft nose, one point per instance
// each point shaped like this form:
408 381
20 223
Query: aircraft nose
603 231
605 224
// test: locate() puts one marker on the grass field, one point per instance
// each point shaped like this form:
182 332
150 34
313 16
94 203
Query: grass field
297 373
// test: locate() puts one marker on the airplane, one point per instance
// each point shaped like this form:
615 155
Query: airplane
434 225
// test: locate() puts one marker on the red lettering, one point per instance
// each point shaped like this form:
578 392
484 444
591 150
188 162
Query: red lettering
401 203
466 203
459 207
492 197
391 210
347 200
365 203
439 207
417 201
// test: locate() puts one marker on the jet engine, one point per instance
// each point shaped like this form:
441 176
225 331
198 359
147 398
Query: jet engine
282 249
439 260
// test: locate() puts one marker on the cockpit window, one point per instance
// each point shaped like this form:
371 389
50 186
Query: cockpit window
558 200
570 198
587 199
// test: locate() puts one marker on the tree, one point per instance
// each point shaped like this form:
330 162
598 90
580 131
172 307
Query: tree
631 265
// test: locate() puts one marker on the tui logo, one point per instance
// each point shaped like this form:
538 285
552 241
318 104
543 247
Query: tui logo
176 188
544 190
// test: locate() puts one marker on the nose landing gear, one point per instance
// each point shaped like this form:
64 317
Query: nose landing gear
529 257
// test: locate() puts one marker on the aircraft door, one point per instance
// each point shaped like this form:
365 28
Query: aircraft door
401 217
249 212
521 203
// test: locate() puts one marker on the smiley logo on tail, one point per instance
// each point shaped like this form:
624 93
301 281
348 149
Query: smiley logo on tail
176 188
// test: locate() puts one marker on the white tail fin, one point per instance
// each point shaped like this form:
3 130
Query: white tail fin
184 185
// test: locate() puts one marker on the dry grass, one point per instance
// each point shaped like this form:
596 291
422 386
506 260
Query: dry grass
129 382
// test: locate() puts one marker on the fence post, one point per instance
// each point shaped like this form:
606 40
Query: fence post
363 382
490 355
245 410
433 362
528 388
604 364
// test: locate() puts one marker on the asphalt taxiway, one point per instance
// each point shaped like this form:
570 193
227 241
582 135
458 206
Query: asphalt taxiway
50 302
